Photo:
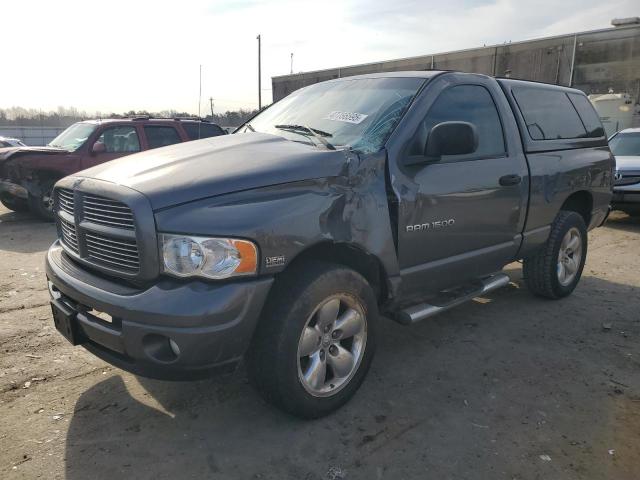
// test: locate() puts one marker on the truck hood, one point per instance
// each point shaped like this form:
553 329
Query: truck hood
628 162
214 166
8 152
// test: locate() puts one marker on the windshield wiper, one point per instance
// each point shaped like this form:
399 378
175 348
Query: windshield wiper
305 128
248 125
319 134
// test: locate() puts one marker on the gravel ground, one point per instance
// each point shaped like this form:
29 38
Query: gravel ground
506 387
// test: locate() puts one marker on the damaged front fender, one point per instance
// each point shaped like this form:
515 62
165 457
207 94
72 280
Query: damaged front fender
34 168
286 220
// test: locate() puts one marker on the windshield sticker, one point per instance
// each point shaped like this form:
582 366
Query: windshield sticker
349 117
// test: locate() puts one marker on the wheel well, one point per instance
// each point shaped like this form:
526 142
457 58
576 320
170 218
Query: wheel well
580 202
350 256
40 177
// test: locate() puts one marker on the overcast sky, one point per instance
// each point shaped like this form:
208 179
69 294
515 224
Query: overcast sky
132 54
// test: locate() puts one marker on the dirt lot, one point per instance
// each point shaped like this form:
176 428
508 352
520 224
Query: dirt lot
510 387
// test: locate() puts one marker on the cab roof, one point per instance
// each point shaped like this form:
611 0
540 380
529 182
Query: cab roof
399 74
428 74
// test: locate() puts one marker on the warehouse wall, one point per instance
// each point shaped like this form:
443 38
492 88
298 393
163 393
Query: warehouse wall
603 59
35 136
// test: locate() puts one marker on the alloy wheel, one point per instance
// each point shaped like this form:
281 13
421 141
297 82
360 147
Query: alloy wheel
332 345
569 256
47 200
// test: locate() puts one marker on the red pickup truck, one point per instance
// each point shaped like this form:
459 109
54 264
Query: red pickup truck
27 174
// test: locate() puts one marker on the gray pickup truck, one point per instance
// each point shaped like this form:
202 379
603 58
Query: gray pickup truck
401 194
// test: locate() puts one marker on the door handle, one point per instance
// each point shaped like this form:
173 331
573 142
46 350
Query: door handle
509 180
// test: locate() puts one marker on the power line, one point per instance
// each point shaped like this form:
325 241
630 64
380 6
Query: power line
222 100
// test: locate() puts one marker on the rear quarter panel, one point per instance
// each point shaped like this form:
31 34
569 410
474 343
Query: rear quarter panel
559 168
557 175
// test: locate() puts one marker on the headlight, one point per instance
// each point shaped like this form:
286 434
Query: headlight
218 258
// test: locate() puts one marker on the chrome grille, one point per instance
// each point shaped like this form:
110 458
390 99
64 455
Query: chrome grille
65 200
628 180
113 252
105 211
69 235
98 231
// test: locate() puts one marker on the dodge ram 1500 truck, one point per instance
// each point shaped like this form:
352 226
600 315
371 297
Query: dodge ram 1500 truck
403 193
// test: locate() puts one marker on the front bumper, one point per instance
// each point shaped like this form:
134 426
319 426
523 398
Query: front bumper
626 198
210 323
10 189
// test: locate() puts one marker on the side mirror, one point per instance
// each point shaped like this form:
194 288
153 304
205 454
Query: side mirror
451 138
98 147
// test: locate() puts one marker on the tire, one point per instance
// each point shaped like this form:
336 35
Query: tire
15 204
288 345
552 273
42 205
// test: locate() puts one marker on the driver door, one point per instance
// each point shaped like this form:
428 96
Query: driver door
461 216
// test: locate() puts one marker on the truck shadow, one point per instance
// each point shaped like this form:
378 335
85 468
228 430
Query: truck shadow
24 233
7 216
622 221
485 388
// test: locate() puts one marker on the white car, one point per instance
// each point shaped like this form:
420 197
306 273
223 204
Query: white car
625 146
10 142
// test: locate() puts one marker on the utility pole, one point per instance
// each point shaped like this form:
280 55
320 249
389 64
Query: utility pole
259 76
200 92
573 58
211 102
291 63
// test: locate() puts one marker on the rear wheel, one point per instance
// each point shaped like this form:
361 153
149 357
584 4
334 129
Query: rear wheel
315 341
42 204
15 204
554 272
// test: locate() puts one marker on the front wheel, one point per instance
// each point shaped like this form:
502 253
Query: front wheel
554 272
315 341
41 205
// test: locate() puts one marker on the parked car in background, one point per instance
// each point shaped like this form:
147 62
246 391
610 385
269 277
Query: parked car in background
404 193
27 174
625 146
616 110
10 142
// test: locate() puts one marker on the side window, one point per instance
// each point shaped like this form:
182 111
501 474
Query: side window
214 131
588 115
196 131
466 103
548 113
159 136
120 139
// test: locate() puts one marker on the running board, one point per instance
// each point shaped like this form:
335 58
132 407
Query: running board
425 310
